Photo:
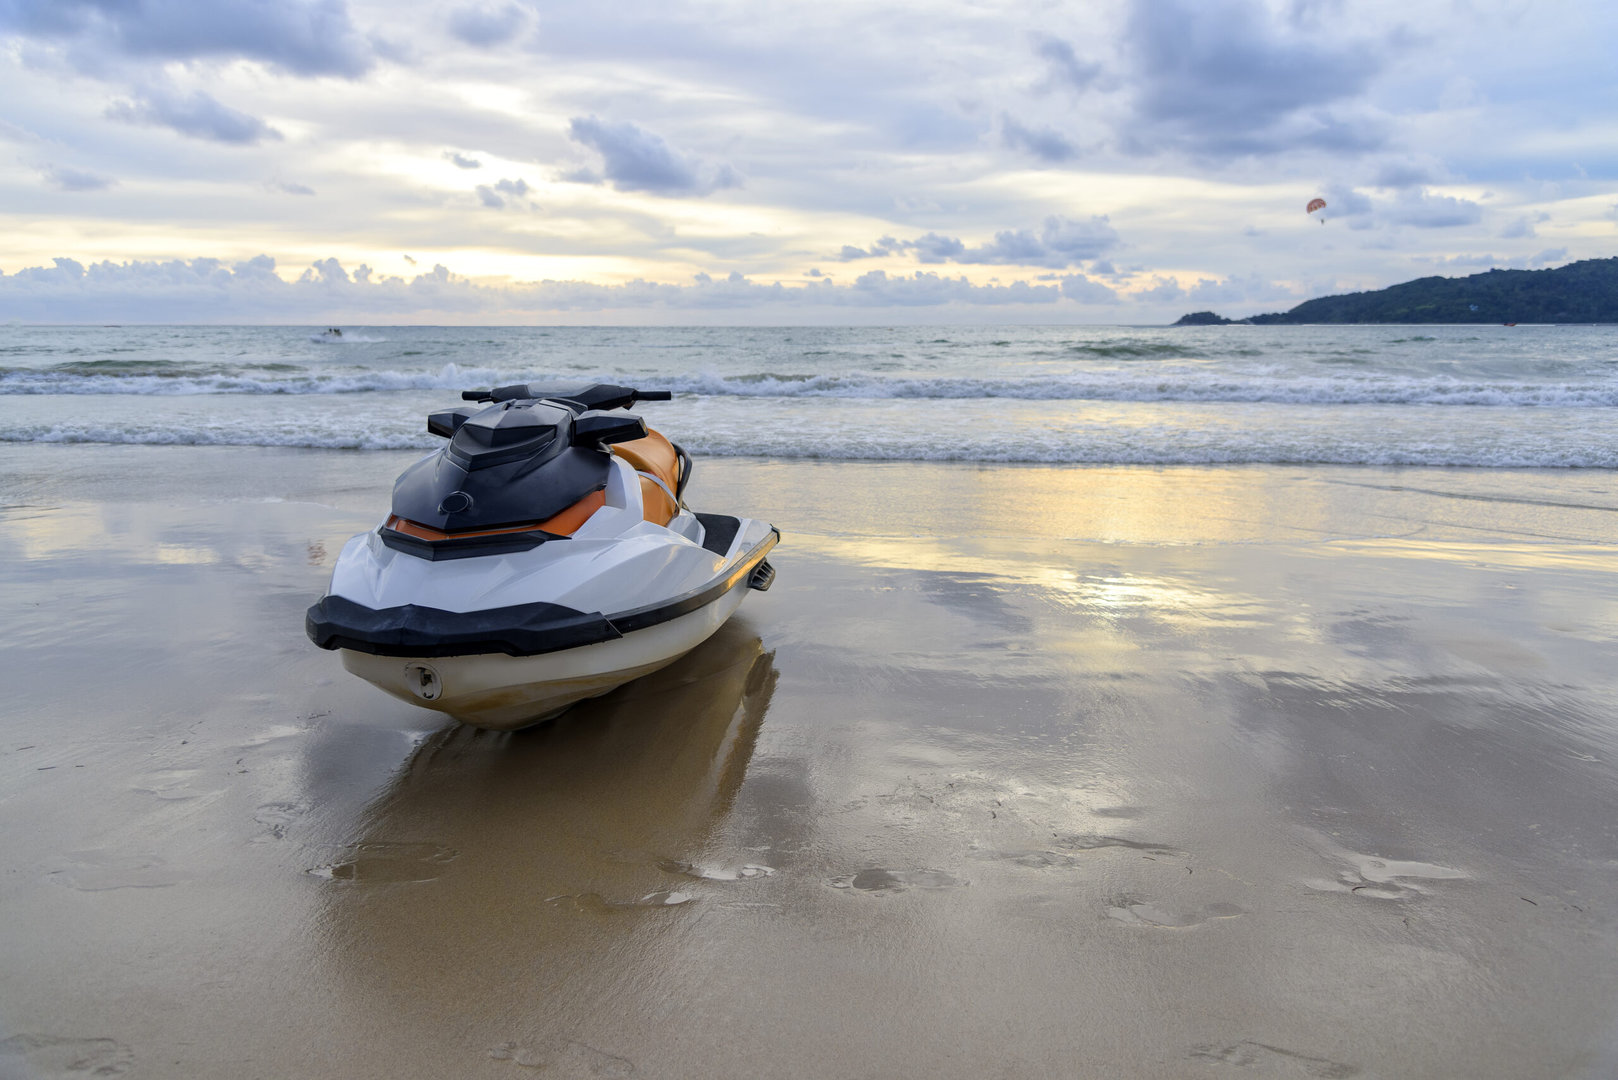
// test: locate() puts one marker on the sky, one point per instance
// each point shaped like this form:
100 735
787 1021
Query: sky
752 162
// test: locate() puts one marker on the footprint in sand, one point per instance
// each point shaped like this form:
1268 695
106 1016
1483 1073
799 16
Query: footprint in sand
277 818
575 1058
1133 911
663 898
1274 1061
879 880
1375 878
173 785
97 871
717 871
382 861
1095 842
56 1055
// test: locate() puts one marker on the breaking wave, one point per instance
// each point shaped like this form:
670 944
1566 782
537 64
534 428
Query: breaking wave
1189 384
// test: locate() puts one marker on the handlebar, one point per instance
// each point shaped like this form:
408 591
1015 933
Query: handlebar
592 396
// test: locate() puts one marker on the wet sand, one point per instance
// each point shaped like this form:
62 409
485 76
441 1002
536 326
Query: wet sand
1016 772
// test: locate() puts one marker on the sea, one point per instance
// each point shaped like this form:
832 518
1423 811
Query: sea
1478 396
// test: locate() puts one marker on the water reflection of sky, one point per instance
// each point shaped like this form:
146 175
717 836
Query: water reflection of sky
1173 752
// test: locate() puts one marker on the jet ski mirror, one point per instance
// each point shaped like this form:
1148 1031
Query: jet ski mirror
596 428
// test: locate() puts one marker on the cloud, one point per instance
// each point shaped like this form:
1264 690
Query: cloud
1226 78
1047 144
65 179
1063 67
1518 229
636 160
304 37
196 114
486 26
1425 210
1061 242
1407 173
289 189
1081 289
203 290
1548 256
494 196
460 161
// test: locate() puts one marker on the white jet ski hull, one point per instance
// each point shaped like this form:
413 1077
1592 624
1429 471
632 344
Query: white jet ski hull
504 693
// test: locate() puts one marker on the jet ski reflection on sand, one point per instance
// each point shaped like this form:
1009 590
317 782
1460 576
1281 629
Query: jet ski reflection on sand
544 555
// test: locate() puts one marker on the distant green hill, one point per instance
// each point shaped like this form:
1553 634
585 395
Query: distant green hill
1581 292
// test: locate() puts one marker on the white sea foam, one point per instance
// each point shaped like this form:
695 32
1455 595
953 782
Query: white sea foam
1155 440
1193 385
1296 395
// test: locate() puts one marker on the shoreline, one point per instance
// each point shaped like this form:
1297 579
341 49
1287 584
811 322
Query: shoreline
1306 770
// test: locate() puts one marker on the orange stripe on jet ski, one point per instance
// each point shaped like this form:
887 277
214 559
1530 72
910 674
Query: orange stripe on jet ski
563 524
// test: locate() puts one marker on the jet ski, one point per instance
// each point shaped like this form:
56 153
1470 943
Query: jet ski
542 556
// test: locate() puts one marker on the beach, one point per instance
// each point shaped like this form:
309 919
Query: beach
1112 770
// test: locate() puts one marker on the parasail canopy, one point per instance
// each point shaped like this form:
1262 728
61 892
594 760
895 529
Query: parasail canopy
1316 204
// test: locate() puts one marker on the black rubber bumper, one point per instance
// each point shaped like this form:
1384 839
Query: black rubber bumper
523 630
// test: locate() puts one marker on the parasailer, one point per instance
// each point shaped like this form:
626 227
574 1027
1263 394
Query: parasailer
1316 204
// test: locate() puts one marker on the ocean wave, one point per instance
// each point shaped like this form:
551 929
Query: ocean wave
1148 350
166 379
1340 387
1164 448
232 436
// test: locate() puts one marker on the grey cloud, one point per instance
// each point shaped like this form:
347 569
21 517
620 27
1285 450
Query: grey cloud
1250 288
207 289
485 26
1228 79
1061 242
289 189
1063 66
1346 202
1425 210
197 115
305 37
461 161
1520 228
934 248
1081 289
1548 256
923 289
65 179
1164 290
1406 173
495 196
637 160
1047 144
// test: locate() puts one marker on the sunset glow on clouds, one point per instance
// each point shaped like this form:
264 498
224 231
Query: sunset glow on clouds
298 161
